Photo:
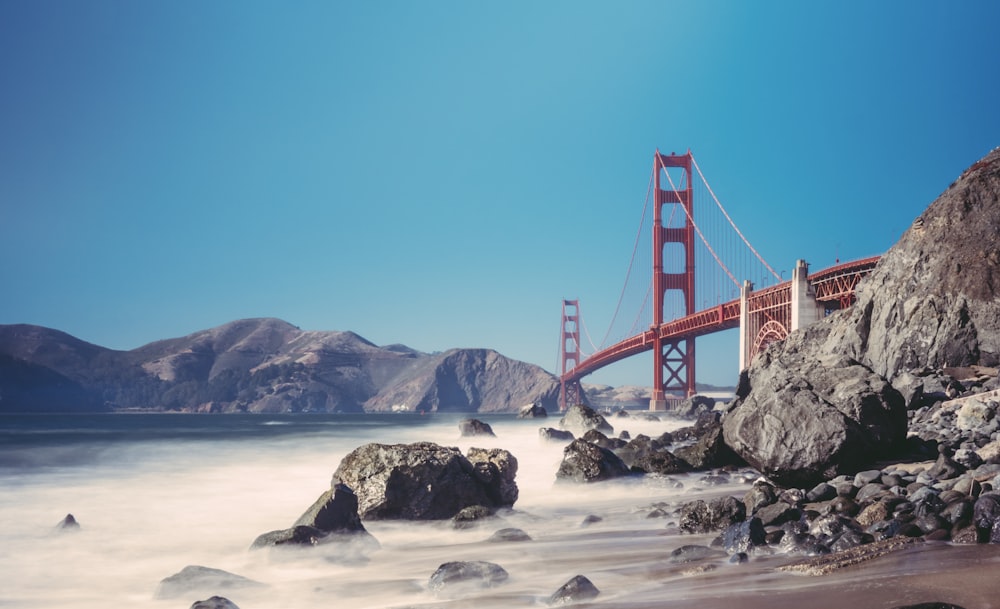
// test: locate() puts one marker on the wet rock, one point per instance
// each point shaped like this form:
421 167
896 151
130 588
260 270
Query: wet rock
586 462
595 437
474 427
778 513
743 536
577 589
945 467
508 535
551 434
591 519
986 518
580 419
478 574
700 517
471 516
194 579
532 411
761 494
821 492
215 602
693 553
709 449
423 481
931 605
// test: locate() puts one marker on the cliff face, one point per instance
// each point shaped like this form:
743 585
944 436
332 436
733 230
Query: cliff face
830 398
255 365
932 301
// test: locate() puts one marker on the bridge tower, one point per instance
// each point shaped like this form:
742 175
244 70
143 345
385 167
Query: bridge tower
570 391
673 360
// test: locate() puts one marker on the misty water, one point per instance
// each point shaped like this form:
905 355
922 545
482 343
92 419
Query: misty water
156 493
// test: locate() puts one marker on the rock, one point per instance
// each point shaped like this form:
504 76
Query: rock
425 481
761 493
478 574
945 468
580 418
778 513
532 411
469 517
215 602
693 406
336 511
660 462
693 553
801 417
743 536
586 462
986 518
709 449
551 434
931 605
68 523
700 517
509 534
975 414
194 578
576 590
474 427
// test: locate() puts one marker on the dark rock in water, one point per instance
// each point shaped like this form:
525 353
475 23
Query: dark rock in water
591 519
532 411
336 511
215 602
693 553
333 518
480 574
580 418
778 513
194 579
986 518
586 462
68 523
474 427
425 481
469 517
509 534
929 606
801 417
761 493
576 590
743 536
555 435
660 462
700 517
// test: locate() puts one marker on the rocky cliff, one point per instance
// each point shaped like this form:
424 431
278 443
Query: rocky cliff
257 365
833 396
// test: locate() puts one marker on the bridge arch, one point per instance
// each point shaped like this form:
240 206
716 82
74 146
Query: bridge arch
771 332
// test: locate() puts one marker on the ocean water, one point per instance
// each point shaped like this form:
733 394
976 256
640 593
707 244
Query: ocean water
156 493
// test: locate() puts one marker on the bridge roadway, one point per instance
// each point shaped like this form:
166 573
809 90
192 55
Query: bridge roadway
832 285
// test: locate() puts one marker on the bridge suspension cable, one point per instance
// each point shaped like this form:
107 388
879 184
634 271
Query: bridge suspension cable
731 223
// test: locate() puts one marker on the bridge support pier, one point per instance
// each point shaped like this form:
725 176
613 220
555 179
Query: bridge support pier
805 309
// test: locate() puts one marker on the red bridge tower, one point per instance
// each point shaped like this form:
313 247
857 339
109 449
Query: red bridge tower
673 360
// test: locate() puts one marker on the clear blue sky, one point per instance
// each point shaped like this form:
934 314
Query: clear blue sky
442 174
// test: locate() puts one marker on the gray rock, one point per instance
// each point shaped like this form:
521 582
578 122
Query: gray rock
424 481
68 523
474 427
693 553
693 406
478 574
509 534
551 434
743 536
532 411
576 590
586 462
579 418
700 517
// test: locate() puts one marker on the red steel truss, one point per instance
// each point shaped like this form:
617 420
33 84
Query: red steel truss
769 316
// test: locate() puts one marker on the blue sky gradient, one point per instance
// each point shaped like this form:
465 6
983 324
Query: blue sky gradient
441 174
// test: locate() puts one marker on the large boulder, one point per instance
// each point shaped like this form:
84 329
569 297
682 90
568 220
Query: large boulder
425 481
802 416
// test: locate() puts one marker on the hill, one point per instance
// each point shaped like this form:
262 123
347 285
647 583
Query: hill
257 365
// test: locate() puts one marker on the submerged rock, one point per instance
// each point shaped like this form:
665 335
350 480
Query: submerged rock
474 427
195 578
215 602
551 434
576 590
532 411
68 523
480 574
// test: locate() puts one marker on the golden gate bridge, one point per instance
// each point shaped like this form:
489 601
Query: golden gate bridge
697 255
